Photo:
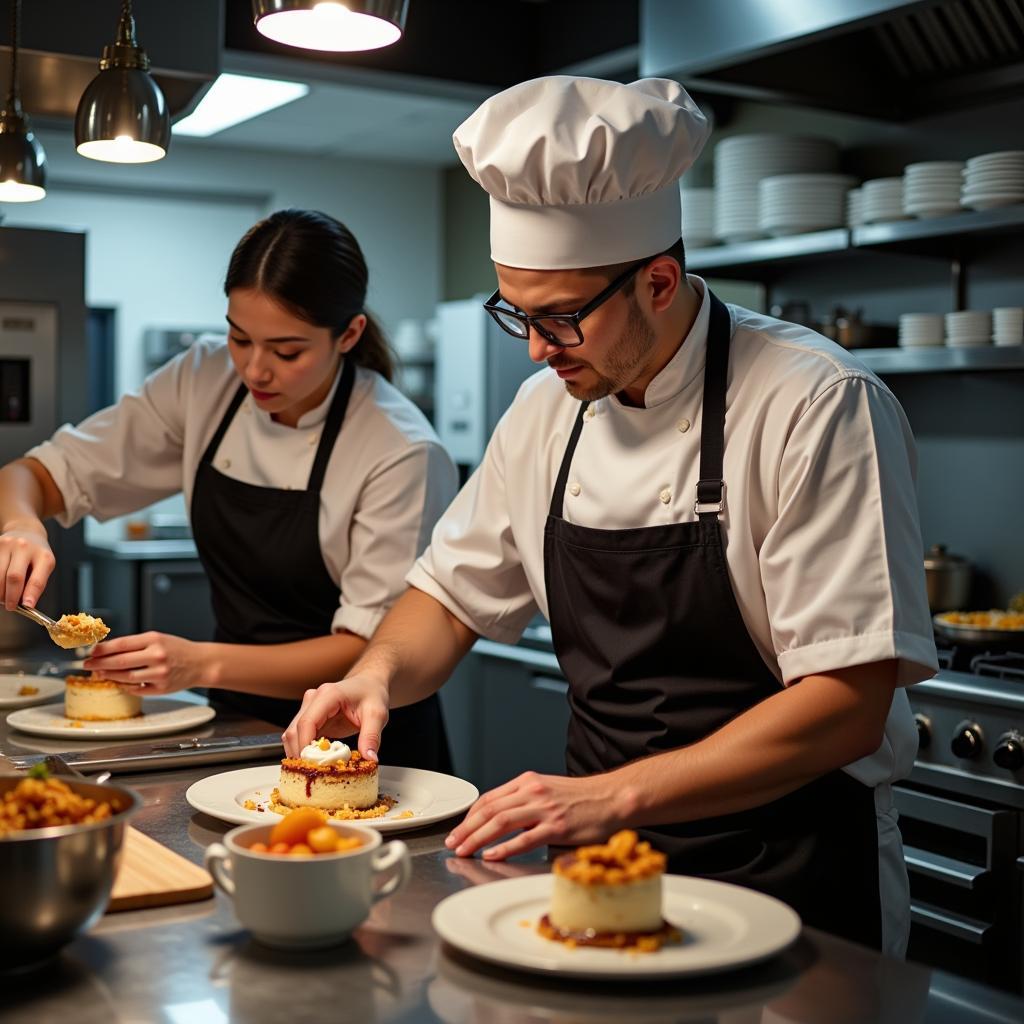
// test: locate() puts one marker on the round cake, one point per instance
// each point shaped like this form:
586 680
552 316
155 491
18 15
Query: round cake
329 775
99 700
609 895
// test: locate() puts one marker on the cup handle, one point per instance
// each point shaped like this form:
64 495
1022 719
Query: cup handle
386 858
217 860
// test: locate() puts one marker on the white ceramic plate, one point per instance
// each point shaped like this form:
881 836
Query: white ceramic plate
430 796
724 927
159 716
48 688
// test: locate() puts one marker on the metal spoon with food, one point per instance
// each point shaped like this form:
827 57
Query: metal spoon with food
78 630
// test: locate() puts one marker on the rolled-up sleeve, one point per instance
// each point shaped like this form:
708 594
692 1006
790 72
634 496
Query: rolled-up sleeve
397 508
842 565
473 566
126 456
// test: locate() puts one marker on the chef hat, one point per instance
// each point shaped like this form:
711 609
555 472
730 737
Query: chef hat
582 172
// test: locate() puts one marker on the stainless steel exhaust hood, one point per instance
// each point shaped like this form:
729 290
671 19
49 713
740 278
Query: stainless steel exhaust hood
892 59
62 40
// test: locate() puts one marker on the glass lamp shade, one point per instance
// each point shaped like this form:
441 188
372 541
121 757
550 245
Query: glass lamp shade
22 161
331 25
122 118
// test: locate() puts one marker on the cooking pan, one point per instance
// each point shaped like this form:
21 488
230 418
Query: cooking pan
1013 638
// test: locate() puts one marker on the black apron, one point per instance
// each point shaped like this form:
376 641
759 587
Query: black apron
260 547
647 631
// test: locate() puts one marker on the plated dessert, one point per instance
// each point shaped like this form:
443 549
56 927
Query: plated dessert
87 699
332 777
609 895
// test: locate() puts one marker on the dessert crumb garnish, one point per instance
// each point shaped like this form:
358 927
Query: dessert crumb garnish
624 858
378 810
402 815
28 691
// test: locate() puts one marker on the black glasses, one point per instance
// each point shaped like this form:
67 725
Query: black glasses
562 329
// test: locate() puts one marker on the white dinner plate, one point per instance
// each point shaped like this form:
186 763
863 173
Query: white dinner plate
724 927
47 686
159 716
429 796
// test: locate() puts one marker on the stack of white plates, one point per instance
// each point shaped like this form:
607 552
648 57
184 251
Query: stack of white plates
882 200
995 179
969 328
1008 325
698 217
854 208
921 330
789 204
741 161
932 189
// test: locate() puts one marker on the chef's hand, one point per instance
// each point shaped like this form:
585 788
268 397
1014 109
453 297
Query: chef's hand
358 703
26 562
155 661
548 809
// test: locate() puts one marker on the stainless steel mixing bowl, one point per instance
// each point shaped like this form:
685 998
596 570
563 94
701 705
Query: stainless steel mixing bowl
56 882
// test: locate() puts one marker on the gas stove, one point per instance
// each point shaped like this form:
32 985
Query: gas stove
971 727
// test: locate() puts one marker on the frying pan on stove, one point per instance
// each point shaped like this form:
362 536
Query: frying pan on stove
1010 638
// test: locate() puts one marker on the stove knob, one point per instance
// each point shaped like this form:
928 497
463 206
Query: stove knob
924 731
966 740
1009 752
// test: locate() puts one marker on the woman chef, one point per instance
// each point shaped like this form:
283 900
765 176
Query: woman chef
312 485
714 509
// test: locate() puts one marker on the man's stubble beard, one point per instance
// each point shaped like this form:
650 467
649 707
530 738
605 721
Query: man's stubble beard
626 360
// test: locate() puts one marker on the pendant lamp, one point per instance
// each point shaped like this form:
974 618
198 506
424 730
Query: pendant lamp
22 160
331 25
122 115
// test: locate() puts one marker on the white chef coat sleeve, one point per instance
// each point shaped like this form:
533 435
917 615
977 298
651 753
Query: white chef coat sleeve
128 455
398 505
473 566
842 566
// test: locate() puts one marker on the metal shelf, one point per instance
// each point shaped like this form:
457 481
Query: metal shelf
936 236
941 360
760 256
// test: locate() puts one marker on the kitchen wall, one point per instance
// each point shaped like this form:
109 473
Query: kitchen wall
159 235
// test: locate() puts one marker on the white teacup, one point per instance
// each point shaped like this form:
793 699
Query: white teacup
306 902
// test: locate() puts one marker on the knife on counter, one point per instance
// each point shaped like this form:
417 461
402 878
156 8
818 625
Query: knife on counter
174 753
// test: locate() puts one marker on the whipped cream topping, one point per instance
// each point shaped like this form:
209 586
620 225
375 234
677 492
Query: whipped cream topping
322 752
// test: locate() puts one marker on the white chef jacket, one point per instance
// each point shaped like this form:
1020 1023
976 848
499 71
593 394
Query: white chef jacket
387 481
820 527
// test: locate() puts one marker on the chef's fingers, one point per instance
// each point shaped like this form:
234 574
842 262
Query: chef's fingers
120 644
373 716
318 707
491 803
501 822
528 840
40 569
16 573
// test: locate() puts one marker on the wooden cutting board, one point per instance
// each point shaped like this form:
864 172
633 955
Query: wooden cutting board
151 875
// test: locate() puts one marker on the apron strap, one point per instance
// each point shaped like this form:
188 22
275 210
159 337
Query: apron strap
558 495
332 425
222 427
711 485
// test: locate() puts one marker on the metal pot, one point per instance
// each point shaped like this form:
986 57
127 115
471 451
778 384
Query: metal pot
57 881
947 578
17 633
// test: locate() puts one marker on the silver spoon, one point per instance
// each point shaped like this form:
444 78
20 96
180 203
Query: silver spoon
57 635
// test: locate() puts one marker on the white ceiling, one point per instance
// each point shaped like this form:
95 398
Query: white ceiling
384 117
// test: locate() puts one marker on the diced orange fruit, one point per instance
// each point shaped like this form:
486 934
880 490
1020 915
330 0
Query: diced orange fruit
295 825
301 850
279 848
323 839
258 848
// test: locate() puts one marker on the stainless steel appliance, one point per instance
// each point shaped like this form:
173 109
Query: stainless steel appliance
962 816
44 376
477 373
163 343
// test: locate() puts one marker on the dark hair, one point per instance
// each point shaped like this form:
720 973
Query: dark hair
312 264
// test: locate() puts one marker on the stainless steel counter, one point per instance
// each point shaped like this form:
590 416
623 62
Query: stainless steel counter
194 964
